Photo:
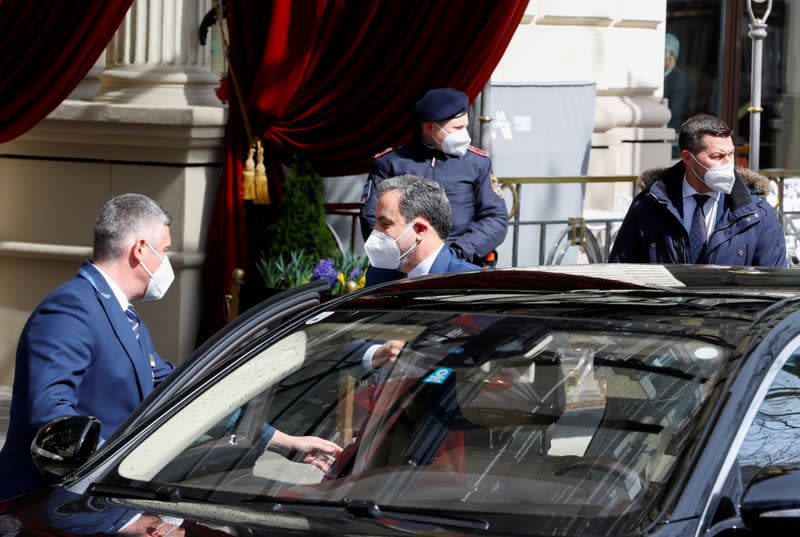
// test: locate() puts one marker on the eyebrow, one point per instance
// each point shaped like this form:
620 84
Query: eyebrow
722 151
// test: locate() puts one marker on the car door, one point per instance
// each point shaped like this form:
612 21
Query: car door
767 432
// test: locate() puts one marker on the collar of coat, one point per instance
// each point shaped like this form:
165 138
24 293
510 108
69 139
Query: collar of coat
747 182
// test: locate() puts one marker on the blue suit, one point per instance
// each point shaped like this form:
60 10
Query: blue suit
446 261
480 218
77 355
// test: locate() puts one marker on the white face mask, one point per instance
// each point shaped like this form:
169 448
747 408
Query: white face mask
384 251
719 178
455 143
160 280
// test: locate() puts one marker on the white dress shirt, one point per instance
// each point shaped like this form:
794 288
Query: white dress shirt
121 298
424 267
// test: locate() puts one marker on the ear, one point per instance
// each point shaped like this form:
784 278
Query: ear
686 157
421 226
137 251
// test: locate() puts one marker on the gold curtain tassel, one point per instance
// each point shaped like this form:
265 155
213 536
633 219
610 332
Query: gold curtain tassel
262 188
249 176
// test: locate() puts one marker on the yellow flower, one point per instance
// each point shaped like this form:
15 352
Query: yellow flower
340 277
361 282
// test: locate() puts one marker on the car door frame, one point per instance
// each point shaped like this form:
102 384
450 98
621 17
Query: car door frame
776 334
268 320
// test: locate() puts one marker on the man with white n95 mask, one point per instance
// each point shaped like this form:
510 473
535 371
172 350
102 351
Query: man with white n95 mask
412 221
702 210
84 350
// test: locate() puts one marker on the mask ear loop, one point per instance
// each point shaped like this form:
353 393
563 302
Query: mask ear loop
416 243
158 256
695 173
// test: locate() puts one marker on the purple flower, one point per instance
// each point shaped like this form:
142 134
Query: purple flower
325 270
355 274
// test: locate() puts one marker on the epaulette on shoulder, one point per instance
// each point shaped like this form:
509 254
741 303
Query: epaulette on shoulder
479 151
385 151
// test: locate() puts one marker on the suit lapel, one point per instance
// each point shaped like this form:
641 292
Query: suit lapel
122 328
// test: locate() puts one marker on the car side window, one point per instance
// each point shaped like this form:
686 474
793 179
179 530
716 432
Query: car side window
774 436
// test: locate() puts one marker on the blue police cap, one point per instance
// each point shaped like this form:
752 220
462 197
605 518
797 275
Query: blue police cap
440 104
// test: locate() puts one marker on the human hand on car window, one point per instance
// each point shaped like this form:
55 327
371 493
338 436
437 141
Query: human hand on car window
315 451
387 353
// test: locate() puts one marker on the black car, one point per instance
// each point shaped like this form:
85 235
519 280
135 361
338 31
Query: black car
522 402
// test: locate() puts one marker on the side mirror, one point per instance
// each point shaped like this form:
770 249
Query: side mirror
771 503
65 443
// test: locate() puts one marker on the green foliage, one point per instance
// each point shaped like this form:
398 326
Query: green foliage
285 272
343 272
351 265
300 224
301 247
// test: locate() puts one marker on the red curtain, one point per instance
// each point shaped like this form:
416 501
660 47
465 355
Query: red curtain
47 49
336 80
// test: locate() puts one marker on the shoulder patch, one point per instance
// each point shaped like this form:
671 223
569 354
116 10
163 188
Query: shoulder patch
479 151
497 188
366 192
387 150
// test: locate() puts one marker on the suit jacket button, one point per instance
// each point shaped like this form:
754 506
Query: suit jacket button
747 219
741 252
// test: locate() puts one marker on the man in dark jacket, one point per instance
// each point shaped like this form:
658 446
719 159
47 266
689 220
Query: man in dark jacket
701 210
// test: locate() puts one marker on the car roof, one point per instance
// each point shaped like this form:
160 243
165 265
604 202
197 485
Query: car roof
678 295
778 283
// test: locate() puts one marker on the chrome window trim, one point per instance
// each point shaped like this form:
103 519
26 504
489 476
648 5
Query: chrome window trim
744 427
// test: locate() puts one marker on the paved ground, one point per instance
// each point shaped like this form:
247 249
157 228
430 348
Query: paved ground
5 408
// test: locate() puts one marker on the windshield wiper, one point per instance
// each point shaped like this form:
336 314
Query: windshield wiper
164 493
638 365
369 509
366 509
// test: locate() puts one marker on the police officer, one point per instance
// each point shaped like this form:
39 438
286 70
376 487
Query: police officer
441 152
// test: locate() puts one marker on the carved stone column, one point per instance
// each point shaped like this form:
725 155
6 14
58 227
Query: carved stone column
155 57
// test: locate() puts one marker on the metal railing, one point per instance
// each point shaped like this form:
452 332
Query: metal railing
790 220
576 231
779 178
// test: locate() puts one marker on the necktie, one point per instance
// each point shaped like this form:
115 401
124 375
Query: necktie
133 319
698 232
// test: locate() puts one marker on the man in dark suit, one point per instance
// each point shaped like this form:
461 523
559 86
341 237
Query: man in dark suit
84 350
412 221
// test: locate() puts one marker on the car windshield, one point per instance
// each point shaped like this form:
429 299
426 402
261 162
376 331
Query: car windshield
494 414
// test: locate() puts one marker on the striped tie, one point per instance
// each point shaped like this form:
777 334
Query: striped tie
133 319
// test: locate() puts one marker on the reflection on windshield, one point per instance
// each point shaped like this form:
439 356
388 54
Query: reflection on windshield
472 412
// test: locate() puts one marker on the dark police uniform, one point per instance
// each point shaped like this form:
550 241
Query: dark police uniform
480 218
